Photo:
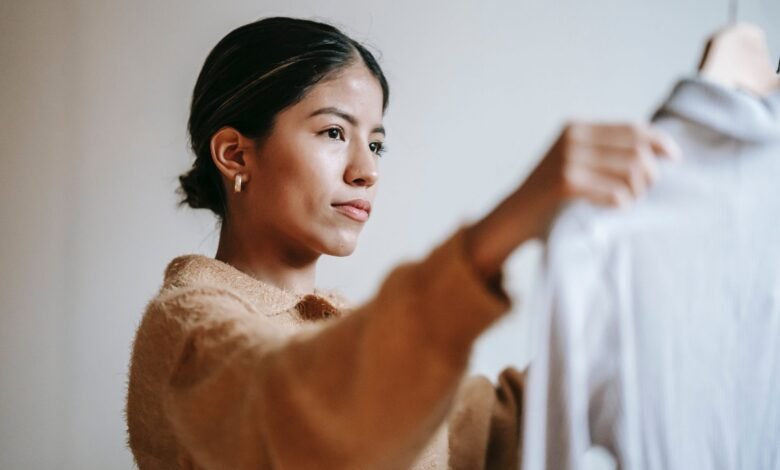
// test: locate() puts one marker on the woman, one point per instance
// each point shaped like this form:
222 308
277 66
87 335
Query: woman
241 362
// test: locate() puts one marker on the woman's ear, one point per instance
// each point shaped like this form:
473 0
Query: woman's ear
228 148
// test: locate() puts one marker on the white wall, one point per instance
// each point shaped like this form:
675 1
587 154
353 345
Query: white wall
93 136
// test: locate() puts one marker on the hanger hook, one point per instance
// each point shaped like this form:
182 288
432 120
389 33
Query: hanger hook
733 10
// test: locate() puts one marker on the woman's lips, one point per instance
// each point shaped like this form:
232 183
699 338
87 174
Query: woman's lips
352 212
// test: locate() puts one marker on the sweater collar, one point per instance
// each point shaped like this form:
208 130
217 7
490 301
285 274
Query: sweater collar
734 113
268 299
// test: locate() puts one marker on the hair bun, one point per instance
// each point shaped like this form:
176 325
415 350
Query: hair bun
199 191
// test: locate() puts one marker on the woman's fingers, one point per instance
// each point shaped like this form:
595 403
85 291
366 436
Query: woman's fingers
612 162
635 167
600 188
623 135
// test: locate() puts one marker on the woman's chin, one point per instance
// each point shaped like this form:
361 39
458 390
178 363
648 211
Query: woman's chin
342 250
344 246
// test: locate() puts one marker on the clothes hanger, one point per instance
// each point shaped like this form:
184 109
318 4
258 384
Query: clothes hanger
738 56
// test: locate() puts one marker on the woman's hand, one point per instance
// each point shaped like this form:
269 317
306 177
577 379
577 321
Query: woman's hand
608 164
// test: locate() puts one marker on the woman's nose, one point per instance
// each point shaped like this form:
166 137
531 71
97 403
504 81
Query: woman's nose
362 168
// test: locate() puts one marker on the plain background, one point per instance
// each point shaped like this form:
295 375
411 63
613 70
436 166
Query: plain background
95 98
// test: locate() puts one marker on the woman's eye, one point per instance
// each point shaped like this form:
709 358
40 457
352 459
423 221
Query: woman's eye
335 133
377 147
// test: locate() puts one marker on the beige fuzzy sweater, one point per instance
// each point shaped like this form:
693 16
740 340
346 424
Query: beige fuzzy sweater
228 372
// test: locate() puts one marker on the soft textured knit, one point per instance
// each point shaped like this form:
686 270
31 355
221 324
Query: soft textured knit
229 372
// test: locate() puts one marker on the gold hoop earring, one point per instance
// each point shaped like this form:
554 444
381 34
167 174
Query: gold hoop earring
237 185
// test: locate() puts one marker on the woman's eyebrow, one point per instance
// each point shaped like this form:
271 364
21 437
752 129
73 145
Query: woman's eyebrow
345 116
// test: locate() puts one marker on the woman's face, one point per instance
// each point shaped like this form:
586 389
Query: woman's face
322 152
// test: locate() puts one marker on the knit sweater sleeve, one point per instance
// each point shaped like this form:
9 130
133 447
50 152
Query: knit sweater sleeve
367 390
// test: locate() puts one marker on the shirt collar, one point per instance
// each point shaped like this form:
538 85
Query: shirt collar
268 299
731 112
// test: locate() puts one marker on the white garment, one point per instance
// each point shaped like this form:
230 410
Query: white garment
661 338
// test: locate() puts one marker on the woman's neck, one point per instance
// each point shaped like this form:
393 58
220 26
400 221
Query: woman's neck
268 257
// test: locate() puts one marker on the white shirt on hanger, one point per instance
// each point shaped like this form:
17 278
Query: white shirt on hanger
661 333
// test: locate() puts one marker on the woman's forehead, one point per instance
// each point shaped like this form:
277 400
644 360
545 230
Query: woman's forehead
353 90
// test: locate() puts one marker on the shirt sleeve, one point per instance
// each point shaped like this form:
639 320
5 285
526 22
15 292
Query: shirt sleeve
364 391
485 424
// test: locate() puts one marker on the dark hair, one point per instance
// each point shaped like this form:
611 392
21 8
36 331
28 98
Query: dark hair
252 74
